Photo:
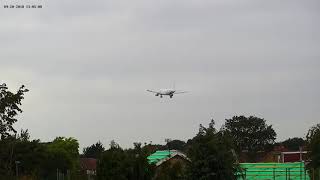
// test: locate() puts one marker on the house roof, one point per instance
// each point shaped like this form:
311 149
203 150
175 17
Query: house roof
161 156
88 163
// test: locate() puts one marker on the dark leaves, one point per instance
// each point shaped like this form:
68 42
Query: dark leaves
9 108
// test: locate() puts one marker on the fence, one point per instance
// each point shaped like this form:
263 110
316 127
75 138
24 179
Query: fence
274 171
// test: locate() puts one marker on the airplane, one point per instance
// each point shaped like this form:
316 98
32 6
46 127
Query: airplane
166 92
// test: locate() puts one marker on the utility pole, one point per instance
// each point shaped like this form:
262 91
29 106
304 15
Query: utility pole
17 168
168 141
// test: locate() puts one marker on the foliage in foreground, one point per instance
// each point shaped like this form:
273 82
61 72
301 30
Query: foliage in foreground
116 163
9 108
38 160
313 143
211 155
250 134
93 151
294 144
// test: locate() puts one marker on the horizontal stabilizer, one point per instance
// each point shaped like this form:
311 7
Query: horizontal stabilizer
152 91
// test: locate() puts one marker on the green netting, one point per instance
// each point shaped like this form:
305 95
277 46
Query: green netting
158 155
273 171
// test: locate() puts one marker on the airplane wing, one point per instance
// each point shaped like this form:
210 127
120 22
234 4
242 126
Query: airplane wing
180 92
153 91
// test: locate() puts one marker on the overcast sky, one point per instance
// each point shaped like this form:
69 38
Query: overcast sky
88 64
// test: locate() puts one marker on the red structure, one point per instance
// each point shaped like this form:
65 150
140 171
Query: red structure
293 156
88 166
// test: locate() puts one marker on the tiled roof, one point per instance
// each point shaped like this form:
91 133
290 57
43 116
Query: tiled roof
88 163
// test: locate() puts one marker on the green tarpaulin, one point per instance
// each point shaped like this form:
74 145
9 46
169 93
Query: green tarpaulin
158 155
273 171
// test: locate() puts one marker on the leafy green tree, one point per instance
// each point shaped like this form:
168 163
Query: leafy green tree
63 154
140 168
114 145
31 156
250 134
24 135
176 145
7 147
9 108
116 163
294 144
313 143
112 165
94 151
211 155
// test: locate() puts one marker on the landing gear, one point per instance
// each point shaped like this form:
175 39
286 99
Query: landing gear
160 96
171 96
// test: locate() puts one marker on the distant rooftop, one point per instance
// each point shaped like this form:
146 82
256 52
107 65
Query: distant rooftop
160 156
88 163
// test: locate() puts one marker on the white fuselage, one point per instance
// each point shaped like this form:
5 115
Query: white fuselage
166 91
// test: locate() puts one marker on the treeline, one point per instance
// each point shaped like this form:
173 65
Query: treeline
35 160
213 153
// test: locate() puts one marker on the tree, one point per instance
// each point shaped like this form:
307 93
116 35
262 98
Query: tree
37 160
140 168
250 134
24 135
7 147
116 163
63 154
176 145
114 145
294 144
171 171
313 144
93 151
211 155
9 108
111 165
30 154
